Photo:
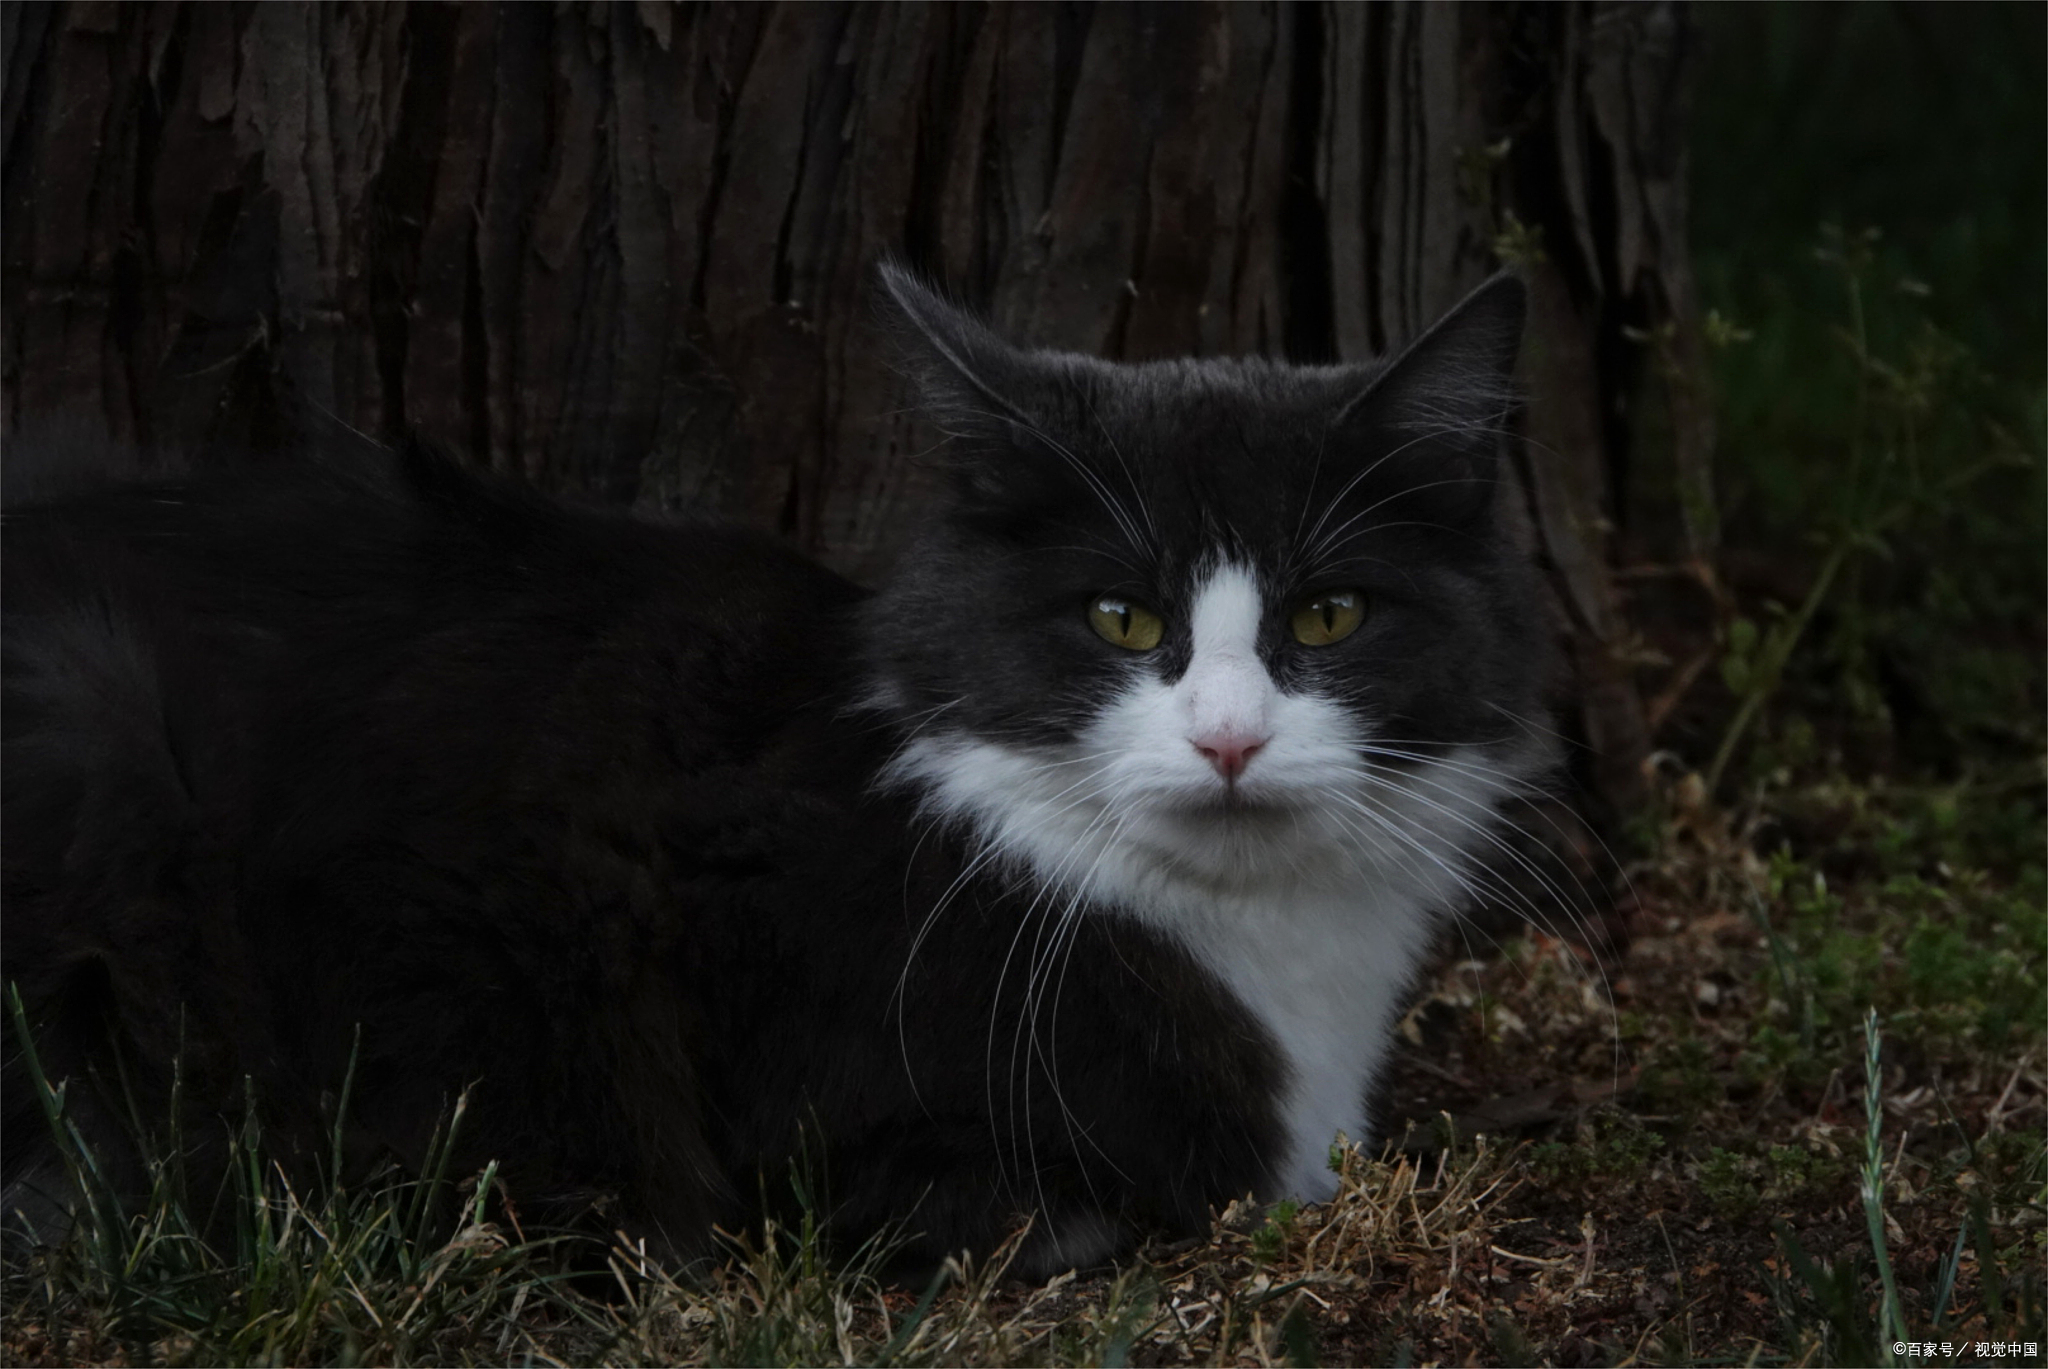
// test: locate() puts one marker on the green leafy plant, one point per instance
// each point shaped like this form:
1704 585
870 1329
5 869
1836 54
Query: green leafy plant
1269 1241
1883 484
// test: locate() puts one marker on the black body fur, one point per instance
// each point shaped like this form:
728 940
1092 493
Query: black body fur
556 803
580 810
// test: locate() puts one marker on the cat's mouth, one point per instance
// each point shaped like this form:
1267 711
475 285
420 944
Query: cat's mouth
1233 804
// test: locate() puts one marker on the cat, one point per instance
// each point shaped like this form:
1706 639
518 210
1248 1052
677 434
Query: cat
1076 874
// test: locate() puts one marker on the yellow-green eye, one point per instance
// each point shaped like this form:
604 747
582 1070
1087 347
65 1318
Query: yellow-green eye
1329 617
1123 623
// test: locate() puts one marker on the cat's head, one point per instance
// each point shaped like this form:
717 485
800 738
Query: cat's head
1231 620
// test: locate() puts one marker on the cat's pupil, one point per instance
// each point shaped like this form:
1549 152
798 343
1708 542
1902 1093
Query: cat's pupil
1124 624
1328 618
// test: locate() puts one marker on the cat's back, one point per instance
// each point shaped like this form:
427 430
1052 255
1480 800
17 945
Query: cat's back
364 739
374 591
373 645
380 552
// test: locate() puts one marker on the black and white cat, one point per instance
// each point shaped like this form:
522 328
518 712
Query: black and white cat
1078 872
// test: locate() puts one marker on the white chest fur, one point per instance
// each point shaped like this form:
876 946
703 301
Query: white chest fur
1324 972
1316 929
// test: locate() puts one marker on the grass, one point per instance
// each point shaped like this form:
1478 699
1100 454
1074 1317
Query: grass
1798 1119
256 1271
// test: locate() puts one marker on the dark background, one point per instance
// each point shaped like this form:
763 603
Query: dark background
624 251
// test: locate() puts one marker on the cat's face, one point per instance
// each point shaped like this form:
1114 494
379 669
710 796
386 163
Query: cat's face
1237 616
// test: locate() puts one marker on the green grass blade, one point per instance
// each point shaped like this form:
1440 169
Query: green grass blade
1891 1320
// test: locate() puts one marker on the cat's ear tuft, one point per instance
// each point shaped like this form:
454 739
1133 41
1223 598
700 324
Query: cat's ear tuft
964 374
1461 371
1443 403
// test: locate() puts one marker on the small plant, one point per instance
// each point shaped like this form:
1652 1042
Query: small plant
1800 1169
1729 1182
1884 483
1681 1077
1269 1241
1609 1144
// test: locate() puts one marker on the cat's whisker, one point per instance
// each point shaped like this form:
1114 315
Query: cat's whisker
1387 822
1026 1026
1041 889
1024 920
1477 825
921 721
987 853
898 997
1331 506
1519 793
1566 904
1048 1053
1130 479
918 722
1530 727
1357 479
1468 883
1464 881
1340 555
1105 551
1094 482
1369 792
1369 827
1336 534
1369 818
1315 470
1533 729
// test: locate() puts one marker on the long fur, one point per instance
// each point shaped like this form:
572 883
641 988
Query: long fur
703 869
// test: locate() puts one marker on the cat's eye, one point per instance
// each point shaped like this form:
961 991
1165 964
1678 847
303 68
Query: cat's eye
1123 623
1328 617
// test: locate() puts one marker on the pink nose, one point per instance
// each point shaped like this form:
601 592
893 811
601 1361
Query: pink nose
1228 753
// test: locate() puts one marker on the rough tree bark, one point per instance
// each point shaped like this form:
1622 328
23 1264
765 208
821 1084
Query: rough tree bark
622 249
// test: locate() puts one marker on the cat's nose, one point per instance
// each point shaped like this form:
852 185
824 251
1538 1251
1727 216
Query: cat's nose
1229 752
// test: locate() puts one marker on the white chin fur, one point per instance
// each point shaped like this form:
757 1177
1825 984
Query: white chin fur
1312 899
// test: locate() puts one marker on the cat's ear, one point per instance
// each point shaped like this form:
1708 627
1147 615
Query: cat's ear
980 391
1440 408
966 377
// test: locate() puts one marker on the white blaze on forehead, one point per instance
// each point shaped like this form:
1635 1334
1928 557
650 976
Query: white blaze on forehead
1227 611
1226 689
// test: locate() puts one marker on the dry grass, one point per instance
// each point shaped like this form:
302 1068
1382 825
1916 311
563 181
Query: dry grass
1658 1158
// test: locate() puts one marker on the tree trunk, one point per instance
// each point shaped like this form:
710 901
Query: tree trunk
623 249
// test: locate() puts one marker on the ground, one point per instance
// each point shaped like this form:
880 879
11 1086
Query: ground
1659 1153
